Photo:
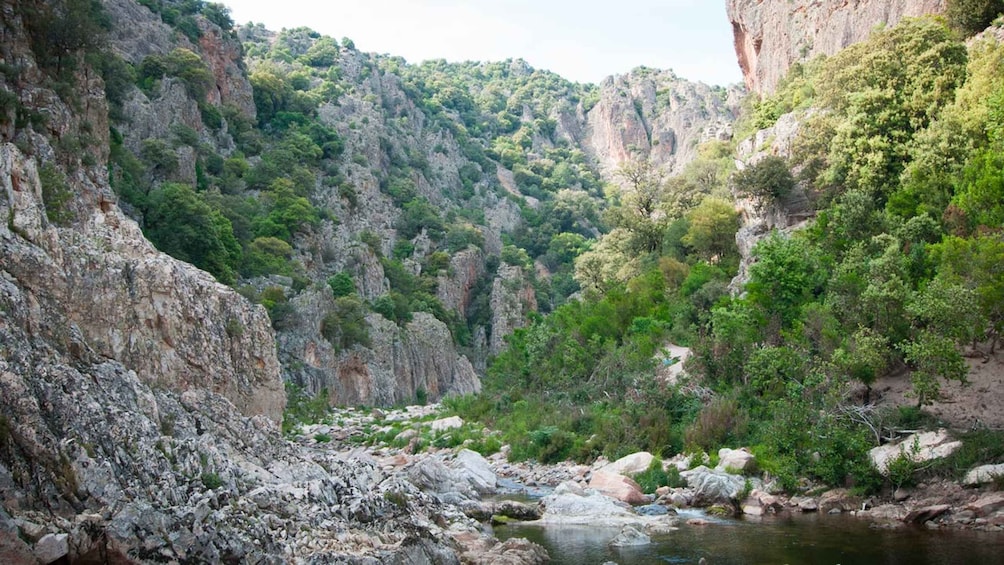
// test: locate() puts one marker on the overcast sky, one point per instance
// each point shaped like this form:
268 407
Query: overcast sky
583 40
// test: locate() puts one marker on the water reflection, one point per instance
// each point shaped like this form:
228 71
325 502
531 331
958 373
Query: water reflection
812 539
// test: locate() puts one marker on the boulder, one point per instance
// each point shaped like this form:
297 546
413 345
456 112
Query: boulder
618 486
52 547
630 535
984 474
434 477
630 464
444 424
475 469
712 486
987 504
838 499
513 551
919 448
567 506
923 514
735 460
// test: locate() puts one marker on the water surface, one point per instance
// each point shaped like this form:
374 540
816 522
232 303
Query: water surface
795 539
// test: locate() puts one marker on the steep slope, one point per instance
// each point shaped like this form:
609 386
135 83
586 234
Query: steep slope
451 183
139 398
771 35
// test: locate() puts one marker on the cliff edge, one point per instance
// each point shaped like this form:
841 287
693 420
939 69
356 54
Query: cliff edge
771 35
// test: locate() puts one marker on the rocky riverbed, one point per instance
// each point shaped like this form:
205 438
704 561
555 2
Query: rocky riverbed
604 493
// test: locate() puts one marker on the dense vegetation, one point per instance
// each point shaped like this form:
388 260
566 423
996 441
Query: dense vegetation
899 274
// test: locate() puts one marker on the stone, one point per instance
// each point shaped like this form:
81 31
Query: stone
444 424
52 547
590 508
805 503
771 35
630 535
926 513
630 464
513 551
839 499
653 510
735 460
984 474
987 504
475 469
618 486
919 448
711 486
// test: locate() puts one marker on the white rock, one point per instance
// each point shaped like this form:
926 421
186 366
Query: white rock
443 424
919 448
476 470
51 547
984 474
630 535
630 464
740 460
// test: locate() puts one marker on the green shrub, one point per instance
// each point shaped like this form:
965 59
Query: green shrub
56 195
211 480
655 476
719 422
345 325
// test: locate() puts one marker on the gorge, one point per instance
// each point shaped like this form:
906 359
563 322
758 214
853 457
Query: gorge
215 234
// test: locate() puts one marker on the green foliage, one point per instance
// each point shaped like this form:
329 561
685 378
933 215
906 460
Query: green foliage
970 17
181 63
62 29
211 480
180 223
345 325
655 476
768 181
932 357
302 408
56 195
722 422
342 284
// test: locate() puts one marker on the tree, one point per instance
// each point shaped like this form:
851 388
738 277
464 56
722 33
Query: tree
712 232
767 182
182 225
970 17
60 28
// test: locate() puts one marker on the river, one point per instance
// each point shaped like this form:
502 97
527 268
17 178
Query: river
789 539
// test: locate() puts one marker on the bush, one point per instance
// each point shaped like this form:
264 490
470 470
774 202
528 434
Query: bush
346 326
970 17
719 422
655 476
56 195
768 181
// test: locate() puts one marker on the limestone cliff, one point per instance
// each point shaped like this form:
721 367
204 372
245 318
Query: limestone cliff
655 115
771 35
97 288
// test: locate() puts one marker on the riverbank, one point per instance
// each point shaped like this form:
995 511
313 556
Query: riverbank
418 441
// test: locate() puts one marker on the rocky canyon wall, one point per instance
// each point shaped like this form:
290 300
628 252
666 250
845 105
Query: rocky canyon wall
771 35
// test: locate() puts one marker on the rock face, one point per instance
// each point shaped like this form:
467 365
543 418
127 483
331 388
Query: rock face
512 300
771 35
757 221
656 116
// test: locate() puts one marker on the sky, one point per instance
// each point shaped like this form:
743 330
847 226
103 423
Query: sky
584 40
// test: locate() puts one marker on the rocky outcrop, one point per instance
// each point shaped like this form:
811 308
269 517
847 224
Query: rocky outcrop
100 290
656 116
512 301
758 219
392 369
455 286
771 35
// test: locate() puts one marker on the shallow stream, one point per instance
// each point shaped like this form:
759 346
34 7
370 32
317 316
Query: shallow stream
795 539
